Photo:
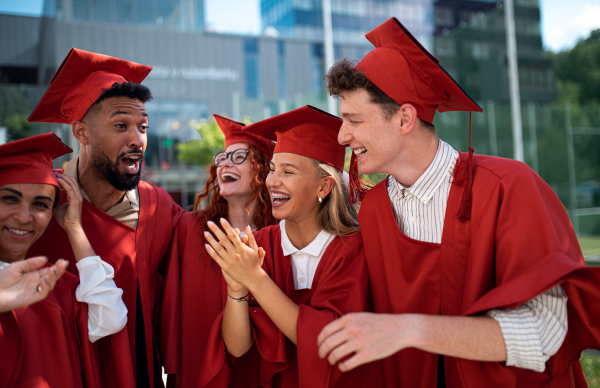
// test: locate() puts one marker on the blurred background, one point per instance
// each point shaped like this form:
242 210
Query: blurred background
252 59
532 65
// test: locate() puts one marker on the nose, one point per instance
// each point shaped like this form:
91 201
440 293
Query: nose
271 180
23 214
227 162
344 135
137 139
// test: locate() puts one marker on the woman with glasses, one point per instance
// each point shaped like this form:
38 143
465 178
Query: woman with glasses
309 270
193 293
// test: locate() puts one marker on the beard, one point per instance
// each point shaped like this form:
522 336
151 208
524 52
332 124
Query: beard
110 171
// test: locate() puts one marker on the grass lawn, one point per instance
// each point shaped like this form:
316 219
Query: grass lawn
590 245
590 361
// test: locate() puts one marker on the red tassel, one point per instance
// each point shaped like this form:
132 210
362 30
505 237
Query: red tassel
358 187
466 178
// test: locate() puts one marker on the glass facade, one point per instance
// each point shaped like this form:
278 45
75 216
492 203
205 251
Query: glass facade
351 19
180 15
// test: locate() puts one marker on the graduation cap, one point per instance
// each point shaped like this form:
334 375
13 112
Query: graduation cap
30 160
306 131
234 133
79 81
404 70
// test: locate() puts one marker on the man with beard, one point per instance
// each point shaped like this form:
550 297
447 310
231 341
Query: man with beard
128 221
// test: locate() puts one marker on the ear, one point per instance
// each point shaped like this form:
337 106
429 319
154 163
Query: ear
326 186
408 118
81 131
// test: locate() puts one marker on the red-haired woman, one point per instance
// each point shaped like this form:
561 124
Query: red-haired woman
194 295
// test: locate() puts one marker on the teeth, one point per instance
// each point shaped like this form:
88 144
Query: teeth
280 196
230 175
359 151
135 157
18 232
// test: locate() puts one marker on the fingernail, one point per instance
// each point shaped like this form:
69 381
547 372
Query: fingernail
210 223
57 177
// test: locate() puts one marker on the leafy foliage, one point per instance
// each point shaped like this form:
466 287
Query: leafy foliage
201 151
17 127
578 70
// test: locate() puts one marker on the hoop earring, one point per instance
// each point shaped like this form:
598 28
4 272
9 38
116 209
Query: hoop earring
320 200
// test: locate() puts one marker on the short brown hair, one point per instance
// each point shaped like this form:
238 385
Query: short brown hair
343 77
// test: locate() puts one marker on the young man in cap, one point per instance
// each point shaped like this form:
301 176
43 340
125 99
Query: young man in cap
128 221
471 258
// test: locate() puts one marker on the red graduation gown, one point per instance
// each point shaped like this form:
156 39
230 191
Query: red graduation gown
46 344
192 300
518 244
339 286
137 258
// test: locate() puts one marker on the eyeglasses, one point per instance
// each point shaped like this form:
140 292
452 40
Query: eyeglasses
237 156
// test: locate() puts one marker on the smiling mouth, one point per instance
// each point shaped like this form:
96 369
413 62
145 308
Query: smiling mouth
19 232
229 177
278 199
360 151
132 163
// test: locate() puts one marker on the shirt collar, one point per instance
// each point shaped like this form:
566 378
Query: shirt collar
313 249
427 184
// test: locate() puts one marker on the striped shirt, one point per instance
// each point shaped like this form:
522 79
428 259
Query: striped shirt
532 332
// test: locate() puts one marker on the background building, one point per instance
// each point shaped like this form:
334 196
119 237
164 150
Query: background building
198 72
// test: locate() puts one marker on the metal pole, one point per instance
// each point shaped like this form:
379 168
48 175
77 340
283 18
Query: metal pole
491 112
513 77
533 137
328 44
571 164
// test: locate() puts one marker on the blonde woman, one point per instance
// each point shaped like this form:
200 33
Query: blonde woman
309 269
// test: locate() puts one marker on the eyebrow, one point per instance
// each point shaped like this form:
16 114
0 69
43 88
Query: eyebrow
350 114
13 191
283 164
16 192
123 112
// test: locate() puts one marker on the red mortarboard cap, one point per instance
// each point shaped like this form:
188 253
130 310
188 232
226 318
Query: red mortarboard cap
79 81
404 70
234 133
306 131
30 160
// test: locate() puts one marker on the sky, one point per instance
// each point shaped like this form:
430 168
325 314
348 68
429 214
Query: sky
564 22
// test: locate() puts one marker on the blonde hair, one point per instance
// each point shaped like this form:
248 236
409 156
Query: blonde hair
336 215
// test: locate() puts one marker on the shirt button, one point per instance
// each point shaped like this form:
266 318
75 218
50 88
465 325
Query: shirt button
300 255
412 219
302 280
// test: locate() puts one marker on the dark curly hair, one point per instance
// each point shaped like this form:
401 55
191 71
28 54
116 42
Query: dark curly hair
218 207
124 89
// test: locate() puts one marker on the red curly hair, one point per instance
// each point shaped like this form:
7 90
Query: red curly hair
218 207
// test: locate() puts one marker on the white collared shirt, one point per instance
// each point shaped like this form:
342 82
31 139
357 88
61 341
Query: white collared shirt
532 332
107 313
306 260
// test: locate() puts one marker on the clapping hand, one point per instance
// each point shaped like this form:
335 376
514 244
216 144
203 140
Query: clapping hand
240 260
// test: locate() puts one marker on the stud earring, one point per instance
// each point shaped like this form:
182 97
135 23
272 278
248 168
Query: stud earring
320 199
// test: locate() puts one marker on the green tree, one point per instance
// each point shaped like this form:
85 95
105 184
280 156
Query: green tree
578 70
17 127
201 151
